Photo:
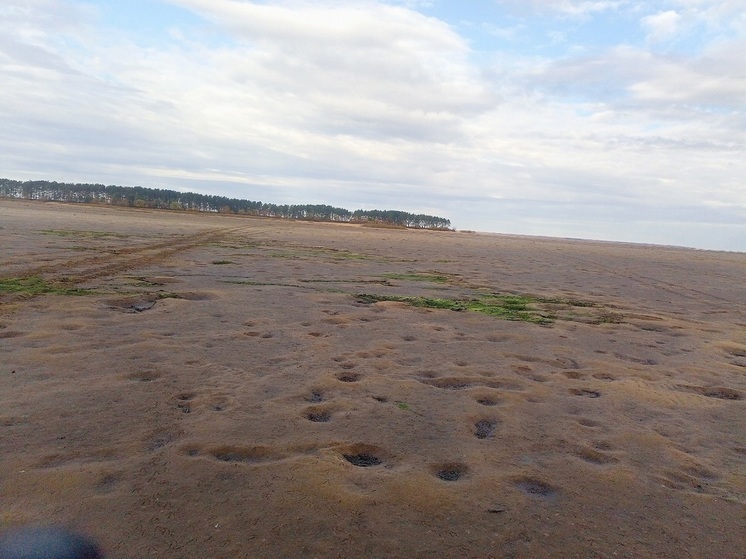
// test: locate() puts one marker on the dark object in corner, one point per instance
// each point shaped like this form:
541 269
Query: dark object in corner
47 542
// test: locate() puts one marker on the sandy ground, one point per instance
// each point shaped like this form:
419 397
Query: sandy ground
222 392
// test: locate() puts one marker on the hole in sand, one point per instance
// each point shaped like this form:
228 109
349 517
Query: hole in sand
230 453
315 396
191 450
719 392
362 460
185 396
536 487
348 377
487 401
160 440
485 429
586 422
585 392
131 305
451 471
363 455
450 383
318 415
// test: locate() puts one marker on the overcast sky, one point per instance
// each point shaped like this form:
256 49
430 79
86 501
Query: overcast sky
604 119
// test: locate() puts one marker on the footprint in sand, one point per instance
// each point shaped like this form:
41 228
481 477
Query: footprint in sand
719 392
487 400
315 396
535 487
585 392
450 471
363 455
318 414
485 428
593 456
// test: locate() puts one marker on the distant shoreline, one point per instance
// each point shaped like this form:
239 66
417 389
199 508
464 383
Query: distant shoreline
172 200
525 237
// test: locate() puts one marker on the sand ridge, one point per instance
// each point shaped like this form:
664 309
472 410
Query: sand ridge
223 390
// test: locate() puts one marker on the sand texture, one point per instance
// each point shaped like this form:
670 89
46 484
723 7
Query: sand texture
230 387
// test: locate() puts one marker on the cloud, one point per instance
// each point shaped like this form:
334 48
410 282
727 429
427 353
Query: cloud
630 77
662 26
575 8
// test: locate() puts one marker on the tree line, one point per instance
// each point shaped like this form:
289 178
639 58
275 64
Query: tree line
141 197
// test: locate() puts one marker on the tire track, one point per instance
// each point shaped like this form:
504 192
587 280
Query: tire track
78 270
654 283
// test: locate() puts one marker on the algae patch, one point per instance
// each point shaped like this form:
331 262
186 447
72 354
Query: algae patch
31 286
507 307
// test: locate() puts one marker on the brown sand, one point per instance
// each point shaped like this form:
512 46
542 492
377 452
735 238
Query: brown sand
282 417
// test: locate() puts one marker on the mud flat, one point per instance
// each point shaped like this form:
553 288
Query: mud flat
192 386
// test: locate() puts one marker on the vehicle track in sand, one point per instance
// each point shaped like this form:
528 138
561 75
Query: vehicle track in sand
79 270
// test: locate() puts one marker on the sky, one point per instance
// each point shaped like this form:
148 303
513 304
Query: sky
617 120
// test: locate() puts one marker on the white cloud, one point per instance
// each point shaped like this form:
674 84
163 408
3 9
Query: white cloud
662 26
576 8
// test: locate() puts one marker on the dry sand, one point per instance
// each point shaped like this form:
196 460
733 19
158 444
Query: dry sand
222 393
